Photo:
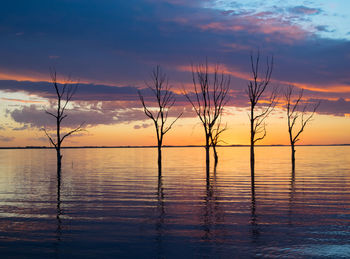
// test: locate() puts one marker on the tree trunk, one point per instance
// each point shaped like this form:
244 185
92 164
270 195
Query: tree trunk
216 158
159 159
252 161
59 160
252 155
207 146
293 156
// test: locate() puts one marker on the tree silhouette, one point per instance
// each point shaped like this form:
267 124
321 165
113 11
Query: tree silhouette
215 137
256 89
165 100
64 94
210 97
296 116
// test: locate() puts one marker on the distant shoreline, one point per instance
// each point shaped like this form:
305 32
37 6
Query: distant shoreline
166 146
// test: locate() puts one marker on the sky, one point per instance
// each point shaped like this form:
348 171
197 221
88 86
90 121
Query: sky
111 47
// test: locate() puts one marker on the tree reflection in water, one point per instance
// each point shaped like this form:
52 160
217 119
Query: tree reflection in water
58 213
160 221
254 218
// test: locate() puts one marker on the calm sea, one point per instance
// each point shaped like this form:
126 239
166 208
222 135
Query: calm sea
111 203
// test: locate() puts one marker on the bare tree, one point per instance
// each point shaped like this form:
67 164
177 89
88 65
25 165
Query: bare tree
210 97
296 115
215 137
256 89
64 94
165 100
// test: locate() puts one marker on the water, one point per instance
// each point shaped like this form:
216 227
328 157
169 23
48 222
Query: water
111 203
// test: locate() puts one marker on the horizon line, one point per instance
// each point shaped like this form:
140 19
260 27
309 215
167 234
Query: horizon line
168 146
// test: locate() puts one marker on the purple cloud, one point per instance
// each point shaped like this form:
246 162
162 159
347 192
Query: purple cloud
6 139
339 107
36 117
304 10
144 125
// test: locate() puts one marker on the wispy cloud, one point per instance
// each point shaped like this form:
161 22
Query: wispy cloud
6 139
304 10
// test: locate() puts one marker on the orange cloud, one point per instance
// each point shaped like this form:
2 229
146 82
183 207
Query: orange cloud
260 24
21 100
222 68
22 77
33 76
221 26
320 88
237 46
246 76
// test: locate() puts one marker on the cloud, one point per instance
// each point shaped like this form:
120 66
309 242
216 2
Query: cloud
144 125
101 45
324 28
84 91
36 117
41 139
111 97
304 10
339 107
262 24
6 139
21 100
24 127
91 115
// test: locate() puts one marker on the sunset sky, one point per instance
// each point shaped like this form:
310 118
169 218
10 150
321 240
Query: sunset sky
111 47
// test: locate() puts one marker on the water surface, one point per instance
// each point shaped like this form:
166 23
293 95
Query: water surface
111 203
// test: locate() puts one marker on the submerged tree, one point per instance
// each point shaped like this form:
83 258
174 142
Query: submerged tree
215 137
64 94
256 89
296 115
165 100
210 97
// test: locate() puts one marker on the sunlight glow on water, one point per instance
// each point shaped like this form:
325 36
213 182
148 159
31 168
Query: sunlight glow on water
112 203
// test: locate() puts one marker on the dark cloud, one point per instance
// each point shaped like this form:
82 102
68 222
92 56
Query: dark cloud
87 92
338 107
101 42
304 10
324 28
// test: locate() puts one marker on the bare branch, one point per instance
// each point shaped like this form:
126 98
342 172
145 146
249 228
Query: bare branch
256 89
64 93
164 99
49 137
210 97
294 114
78 129
169 127
50 113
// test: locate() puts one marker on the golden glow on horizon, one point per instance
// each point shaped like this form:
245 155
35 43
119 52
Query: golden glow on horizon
324 129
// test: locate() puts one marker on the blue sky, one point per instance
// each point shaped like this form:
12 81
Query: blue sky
329 19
